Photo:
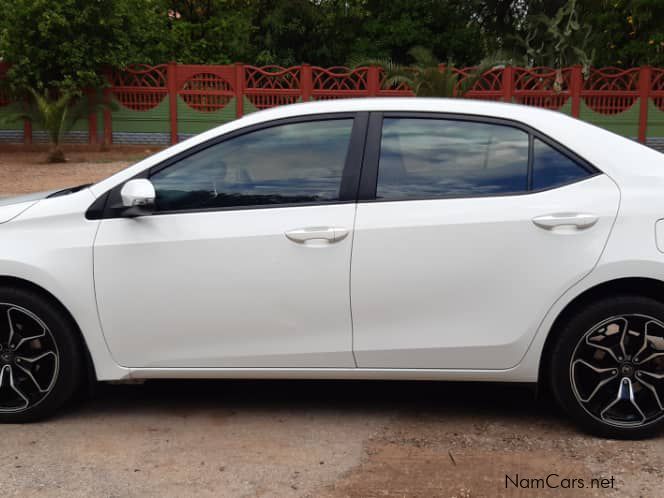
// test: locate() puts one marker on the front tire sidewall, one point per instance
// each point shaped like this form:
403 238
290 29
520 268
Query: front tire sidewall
63 332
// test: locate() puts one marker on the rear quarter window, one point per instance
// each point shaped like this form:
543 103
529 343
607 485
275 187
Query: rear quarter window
552 168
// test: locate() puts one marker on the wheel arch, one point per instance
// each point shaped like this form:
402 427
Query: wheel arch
90 371
641 286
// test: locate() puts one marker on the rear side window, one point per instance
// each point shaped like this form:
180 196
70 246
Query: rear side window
284 164
422 158
552 168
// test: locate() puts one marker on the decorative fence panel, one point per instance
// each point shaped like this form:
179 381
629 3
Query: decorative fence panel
166 103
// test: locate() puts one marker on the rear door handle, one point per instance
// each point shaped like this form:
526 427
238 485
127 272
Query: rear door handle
330 234
578 220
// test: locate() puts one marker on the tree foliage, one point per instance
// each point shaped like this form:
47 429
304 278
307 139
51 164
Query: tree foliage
557 41
627 32
63 44
425 77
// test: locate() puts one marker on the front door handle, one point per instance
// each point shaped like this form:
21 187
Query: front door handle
578 220
329 234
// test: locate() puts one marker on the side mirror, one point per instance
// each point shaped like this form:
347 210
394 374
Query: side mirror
138 197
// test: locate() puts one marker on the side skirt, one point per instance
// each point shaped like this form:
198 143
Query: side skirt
511 375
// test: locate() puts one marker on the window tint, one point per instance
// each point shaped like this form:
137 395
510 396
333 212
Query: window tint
291 163
552 168
438 157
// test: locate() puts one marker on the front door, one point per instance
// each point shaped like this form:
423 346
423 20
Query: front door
246 259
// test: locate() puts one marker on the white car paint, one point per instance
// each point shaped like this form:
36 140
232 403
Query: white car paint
446 283
305 332
11 211
277 304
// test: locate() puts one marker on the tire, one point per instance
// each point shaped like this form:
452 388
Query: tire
604 367
40 356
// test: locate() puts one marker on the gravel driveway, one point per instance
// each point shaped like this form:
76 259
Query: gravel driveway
309 439
315 439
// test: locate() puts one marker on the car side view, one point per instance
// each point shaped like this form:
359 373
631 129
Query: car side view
399 238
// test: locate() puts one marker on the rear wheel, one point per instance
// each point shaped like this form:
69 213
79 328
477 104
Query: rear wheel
608 367
39 356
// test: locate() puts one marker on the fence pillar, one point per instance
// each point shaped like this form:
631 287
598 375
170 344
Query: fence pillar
27 128
172 82
239 90
27 132
575 87
92 117
508 84
644 97
306 82
108 120
373 81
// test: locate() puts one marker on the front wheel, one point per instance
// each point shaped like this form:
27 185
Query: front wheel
39 356
607 367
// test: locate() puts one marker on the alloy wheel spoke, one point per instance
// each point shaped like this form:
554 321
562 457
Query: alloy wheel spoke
592 367
7 375
26 338
648 358
16 389
32 378
37 358
625 394
622 331
653 375
11 326
2 374
646 339
31 361
601 383
653 390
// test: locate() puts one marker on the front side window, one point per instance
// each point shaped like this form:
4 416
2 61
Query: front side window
284 164
422 158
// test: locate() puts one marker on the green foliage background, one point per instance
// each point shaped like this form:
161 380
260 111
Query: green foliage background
62 44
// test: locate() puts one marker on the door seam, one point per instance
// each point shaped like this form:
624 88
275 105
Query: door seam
350 288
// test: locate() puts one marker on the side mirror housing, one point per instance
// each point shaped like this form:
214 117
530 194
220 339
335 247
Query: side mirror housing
138 197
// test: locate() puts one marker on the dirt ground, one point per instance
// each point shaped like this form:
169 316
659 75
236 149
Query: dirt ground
303 439
22 172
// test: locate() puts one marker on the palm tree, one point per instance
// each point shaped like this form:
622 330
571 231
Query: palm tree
55 115
425 77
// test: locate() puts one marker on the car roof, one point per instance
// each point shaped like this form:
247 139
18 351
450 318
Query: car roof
465 106
612 154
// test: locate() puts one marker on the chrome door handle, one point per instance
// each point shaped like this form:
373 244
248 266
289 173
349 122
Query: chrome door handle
330 234
578 220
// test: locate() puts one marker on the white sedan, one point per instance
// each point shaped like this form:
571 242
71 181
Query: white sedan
352 239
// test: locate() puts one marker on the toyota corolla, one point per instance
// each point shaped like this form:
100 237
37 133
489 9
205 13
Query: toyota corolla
352 239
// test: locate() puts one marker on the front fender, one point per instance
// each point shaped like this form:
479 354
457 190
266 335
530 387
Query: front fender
50 246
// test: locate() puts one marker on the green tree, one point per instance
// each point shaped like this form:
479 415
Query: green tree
557 41
58 49
624 33
628 33
206 31
288 32
425 76
64 44
55 115
450 29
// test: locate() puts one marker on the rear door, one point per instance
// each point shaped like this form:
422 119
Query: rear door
467 231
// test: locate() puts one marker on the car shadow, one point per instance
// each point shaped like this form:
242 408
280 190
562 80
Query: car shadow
451 399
